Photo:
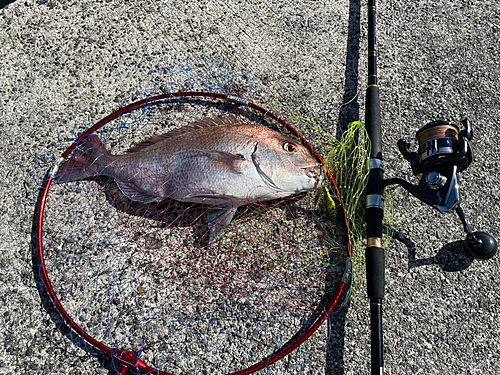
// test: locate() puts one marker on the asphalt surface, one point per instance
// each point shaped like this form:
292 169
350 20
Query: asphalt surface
67 64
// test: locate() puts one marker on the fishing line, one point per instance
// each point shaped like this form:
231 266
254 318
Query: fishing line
139 283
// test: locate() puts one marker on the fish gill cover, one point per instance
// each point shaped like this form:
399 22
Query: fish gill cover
143 278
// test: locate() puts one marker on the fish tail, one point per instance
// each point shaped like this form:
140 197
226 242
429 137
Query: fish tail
89 160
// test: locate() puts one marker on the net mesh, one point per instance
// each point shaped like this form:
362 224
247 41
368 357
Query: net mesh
144 279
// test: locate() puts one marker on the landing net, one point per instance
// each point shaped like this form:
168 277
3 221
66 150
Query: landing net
141 283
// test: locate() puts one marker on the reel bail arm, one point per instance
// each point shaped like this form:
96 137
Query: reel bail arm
443 153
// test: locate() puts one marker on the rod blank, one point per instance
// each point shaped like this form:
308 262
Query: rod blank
374 214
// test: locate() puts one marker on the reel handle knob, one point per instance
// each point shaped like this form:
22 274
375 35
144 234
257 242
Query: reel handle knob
481 245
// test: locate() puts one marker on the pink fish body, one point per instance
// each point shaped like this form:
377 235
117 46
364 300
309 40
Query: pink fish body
217 162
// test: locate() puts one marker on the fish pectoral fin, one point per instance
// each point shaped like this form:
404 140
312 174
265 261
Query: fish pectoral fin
133 193
226 160
219 218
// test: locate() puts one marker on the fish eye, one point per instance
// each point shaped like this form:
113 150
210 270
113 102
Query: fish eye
289 147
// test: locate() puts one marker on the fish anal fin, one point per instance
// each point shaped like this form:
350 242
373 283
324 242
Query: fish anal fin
219 218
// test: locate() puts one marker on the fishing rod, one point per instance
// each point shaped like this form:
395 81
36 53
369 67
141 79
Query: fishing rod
444 151
374 211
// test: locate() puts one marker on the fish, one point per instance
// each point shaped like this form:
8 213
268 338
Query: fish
219 162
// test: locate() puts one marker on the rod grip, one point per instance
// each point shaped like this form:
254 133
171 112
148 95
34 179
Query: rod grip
373 121
374 212
375 272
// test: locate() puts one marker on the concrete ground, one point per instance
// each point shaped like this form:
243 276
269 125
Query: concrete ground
65 64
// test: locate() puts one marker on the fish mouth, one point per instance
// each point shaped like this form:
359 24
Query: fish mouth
315 172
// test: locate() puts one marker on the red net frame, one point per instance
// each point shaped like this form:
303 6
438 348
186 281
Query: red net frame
127 360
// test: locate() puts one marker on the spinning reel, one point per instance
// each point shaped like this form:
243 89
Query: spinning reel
444 151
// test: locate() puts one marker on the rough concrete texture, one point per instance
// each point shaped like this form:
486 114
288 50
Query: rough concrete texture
69 63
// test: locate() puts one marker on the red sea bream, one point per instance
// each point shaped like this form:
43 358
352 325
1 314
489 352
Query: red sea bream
217 162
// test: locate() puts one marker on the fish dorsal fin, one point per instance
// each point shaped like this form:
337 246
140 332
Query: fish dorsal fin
204 123
141 146
215 121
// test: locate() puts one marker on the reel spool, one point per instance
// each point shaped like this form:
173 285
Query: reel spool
444 151
441 145
436 141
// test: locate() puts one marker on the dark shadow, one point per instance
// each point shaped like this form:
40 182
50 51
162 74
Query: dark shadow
170 213
4 3
335 347
451 257
348 112
350 108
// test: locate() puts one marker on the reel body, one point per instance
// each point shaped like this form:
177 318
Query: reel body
444 151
